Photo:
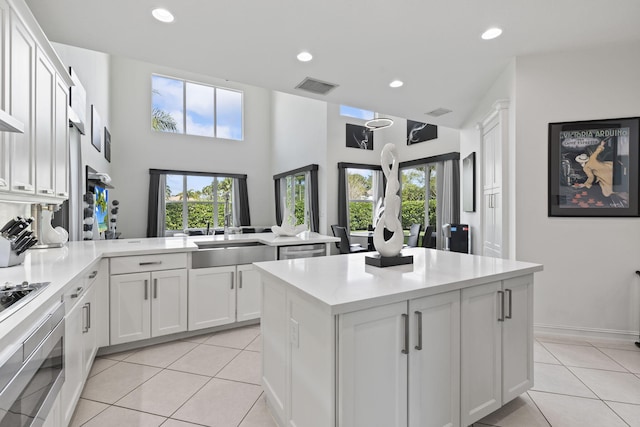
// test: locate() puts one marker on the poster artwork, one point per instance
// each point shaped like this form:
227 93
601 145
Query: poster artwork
359 137
594 168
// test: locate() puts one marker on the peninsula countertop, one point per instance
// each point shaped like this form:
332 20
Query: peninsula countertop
344 283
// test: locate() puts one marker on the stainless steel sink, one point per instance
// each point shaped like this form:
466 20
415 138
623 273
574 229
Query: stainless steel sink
217 254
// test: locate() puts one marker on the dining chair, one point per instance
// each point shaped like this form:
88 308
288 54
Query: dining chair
429 239
414 235
345 245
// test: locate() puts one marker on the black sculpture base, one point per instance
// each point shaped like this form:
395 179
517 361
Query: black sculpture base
378 260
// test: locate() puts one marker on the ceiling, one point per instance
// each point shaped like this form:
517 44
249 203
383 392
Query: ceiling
434 46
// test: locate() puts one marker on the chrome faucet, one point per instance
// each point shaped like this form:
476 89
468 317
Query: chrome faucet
227 215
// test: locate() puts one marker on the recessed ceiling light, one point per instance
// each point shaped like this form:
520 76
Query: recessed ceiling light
491 33
162 15
396 83
305 57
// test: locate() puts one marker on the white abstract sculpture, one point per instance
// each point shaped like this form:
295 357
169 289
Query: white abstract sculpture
390 216
288 226
50 235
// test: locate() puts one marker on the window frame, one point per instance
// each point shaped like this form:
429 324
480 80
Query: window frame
215 107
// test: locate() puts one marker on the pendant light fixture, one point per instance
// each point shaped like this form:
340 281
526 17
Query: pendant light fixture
378 122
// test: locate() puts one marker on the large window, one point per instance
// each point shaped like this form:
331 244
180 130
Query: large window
296 193
361 198
191 201
192 108
418 192
296 197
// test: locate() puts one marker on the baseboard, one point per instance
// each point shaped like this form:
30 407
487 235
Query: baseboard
596 333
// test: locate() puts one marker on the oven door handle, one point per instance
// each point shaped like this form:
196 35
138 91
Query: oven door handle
29 368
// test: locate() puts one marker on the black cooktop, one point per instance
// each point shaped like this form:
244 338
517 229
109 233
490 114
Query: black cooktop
13 296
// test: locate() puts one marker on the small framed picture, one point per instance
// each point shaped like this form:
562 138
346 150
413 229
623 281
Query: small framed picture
420 132
593 168
96 129
107 144
359 137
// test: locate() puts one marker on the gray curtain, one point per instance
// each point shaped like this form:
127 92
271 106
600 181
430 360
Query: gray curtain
311 187
278 193
240 205
447 197
343 199
156 207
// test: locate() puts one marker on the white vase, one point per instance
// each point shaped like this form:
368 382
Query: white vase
390 218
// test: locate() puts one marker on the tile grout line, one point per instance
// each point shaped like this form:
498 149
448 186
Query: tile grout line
615 412
254 404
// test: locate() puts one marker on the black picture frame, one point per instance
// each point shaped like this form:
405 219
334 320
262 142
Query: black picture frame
96 129
359 137
420 132
593 168
107 144
469 183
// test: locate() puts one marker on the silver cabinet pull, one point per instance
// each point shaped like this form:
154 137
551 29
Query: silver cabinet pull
419 319
46 191
508 291
77 293
150 263
501 318
63 194
240 279
405 348
93 274
155 288
232 280
85 328
88 316
146 289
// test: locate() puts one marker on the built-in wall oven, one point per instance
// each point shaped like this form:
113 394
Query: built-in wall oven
31 378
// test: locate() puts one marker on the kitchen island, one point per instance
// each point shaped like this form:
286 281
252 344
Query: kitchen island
442 342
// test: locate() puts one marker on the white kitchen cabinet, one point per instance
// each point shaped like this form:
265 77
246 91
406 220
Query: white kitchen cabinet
148 304
223 295
497 345
80 340
45 92
5 138
61 139
372 364
53 419
22 70
212 297
249 293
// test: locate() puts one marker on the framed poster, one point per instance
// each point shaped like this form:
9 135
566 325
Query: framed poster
96 129
593 168
107 144
359 137
469 183
420 132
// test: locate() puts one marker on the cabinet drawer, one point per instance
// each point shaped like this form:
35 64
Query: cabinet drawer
137 264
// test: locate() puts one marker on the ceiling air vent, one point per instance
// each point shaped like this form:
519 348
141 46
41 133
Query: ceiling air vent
316 86
438 112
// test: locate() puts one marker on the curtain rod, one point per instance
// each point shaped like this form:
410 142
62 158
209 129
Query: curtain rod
343 165
432 159
311 167
175 172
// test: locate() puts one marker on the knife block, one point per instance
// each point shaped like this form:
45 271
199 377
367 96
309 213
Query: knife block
8 256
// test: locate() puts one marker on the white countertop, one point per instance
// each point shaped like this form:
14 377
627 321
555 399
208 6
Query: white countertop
62 265
344 283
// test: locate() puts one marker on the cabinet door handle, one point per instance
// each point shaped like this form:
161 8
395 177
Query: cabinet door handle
63 194
155 288
419 319
240 279
232 280
85 329
146 289
405 348
150 263
78 292
46 191
93 274
501 318
88 316
508 291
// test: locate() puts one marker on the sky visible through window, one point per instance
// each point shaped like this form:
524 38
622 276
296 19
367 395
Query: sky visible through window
210 111
356 113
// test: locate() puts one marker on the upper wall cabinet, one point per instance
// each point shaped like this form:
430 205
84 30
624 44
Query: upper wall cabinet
34 165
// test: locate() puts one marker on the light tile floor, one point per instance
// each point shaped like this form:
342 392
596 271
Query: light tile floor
214 380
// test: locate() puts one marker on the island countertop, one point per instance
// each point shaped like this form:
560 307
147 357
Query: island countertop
345 283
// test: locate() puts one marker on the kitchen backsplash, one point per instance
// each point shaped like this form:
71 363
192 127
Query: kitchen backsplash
10 210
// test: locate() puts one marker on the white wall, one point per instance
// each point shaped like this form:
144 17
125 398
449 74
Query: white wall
92 69
136 148
502 88
299 135
588 283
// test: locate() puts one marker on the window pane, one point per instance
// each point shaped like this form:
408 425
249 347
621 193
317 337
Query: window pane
228 114
356 113
173 202
199 205
413 196
167 104
199 110
360 198
225 192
